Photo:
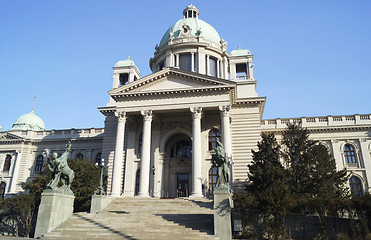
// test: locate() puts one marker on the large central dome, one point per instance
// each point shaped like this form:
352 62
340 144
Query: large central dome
197 27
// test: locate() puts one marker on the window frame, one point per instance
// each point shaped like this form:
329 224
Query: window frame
350 155
7 163
39 163
213 172
356 186
212 138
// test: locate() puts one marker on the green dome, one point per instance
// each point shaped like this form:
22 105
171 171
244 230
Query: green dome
207 31
125 63
240 52
29 121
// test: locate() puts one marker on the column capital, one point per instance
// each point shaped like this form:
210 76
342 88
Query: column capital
196 112
225 110
121 116
147 115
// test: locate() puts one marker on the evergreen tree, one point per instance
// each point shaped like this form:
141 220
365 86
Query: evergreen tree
269 186
314 180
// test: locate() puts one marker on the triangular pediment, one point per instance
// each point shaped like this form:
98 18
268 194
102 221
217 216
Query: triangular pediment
171 79
8 136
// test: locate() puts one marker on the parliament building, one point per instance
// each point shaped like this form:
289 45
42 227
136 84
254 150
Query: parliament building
160 130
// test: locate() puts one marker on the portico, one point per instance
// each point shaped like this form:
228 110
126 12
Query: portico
171 151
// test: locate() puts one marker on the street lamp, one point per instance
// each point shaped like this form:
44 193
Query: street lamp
100 189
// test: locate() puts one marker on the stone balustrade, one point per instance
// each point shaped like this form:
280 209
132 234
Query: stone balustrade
65 133
344 120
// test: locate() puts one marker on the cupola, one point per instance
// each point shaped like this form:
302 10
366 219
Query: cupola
190 12
125 72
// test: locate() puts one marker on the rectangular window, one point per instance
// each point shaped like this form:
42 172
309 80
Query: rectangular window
212 65
185 62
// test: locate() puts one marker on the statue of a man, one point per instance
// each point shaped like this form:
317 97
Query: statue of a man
61 172
220 160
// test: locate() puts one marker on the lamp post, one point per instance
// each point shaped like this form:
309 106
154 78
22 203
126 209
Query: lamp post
100 189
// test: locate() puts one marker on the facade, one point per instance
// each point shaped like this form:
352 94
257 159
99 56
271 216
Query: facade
160 130
25 148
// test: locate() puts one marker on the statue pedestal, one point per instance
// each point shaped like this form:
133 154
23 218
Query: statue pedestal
54 209
222 213
99 202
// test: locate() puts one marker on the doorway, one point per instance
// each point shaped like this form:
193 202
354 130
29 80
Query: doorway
182 185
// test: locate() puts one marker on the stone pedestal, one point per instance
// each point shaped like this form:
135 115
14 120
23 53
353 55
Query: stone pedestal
54 209
222 213
98 203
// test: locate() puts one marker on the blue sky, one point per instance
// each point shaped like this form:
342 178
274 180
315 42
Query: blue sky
311 58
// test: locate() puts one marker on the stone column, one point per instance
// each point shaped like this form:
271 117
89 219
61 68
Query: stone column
226 135
192 62
225 68
207 64
177 60
218 68
251 73
119 150
196 152
146 154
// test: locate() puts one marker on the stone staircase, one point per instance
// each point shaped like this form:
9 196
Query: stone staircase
136 219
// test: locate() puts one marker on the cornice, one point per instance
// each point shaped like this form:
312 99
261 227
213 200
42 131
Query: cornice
107 110
172 92
63 140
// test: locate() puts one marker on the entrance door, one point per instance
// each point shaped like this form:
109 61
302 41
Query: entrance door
182 185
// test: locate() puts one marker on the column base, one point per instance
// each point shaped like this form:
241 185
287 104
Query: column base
196 195
114 195
143 195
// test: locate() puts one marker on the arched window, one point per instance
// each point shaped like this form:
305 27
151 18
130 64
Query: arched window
79 156
39 163
137 179
2 189
7 163
181 149
355 186
349 154
213 175
213 134
98 158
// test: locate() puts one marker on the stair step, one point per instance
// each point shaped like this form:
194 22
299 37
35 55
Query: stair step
142 219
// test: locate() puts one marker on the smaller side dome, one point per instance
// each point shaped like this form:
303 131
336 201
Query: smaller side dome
240 52
125 63
29 121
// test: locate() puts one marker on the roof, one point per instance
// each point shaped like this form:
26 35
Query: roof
29 121
198 27
240 52
125 63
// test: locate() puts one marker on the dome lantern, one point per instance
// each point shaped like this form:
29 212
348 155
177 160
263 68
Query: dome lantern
190 12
